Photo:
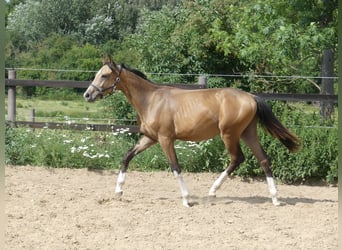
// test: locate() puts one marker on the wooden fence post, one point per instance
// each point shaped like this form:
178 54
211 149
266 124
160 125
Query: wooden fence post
327 85
11 106
33 115
202 80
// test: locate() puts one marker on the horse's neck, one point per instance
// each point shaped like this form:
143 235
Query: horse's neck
137 90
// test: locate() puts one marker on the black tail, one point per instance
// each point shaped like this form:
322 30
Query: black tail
272 125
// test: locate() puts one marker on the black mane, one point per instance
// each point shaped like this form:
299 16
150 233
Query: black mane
135 71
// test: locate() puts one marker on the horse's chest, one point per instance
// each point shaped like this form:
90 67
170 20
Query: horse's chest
150 129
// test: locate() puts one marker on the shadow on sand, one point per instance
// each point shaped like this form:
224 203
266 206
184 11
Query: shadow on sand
195 200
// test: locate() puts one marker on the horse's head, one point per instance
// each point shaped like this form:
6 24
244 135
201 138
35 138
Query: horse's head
104 82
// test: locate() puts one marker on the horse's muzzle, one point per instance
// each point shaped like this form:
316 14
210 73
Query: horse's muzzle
90 97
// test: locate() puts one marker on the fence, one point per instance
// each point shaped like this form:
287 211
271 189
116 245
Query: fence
12 82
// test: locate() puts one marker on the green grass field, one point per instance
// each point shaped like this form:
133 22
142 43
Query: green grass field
61 110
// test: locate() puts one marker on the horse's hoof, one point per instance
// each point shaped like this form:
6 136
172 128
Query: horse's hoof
275 202
186 203
118 194
212 195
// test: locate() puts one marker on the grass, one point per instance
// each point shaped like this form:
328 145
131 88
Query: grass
61 110
104 150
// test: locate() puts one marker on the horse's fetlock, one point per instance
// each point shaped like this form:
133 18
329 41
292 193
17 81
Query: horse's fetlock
241 159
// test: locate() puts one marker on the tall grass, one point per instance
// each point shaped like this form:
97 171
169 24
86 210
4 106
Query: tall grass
99 150
104 150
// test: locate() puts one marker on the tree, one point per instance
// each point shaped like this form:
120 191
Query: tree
22 25
9 6
63 16
177 40
98 30
275 37
32 21
254 37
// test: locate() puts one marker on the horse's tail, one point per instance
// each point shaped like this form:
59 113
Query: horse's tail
272 125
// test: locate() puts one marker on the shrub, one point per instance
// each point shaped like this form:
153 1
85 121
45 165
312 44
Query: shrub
64 148
18 147
122 110
104 150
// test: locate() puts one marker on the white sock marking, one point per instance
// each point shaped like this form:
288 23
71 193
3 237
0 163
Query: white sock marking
273 190
184 190
120 181
217 184
271 186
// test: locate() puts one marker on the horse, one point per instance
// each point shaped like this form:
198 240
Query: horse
167 114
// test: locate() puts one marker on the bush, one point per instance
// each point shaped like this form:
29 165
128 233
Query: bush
122 110
316 159
64 148
18 150
104 150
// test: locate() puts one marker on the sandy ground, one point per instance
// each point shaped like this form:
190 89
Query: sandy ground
76 209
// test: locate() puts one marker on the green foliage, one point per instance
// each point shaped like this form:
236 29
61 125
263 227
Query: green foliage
85 58
65 148
275 37
177 40
35 20
205 156
118 106
251 37
17 147
316 159
58 52
46 93
222 82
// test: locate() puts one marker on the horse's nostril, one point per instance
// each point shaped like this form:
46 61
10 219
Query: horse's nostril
86 95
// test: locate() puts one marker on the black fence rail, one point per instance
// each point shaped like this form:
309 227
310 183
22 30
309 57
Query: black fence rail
76 126
12 82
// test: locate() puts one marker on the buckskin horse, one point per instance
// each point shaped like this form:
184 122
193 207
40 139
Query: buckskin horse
168 113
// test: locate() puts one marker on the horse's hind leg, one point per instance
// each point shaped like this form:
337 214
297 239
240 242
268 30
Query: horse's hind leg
144 143
250 137
236 158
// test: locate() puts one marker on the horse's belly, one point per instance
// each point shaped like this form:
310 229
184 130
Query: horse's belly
197 132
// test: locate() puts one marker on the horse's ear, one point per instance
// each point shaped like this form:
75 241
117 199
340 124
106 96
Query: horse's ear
111 59
111 62
103 60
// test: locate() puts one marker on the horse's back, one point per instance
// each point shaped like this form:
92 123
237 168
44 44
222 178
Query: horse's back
201 114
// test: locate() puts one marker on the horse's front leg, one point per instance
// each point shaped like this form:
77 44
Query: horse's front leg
169 150
144 143
184 190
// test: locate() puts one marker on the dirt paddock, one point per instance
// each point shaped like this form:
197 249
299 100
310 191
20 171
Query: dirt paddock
76 209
